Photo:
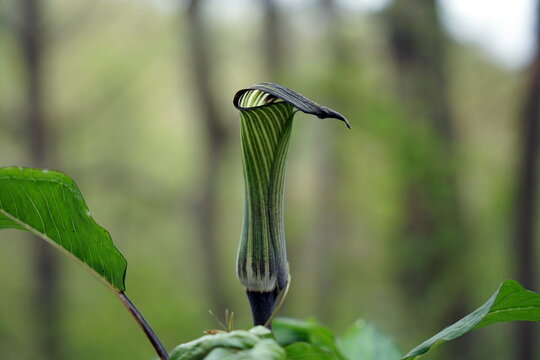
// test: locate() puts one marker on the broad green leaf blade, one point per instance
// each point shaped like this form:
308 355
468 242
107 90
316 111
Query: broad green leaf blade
364 341
290 331
254 344
306 351
266 120
49 205
511 302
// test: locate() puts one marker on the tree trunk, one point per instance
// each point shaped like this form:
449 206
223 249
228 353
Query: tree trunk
434 235
273 41
526 200
327 235
215 141
46 304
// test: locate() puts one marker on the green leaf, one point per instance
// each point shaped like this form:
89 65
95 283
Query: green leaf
49 205
265 349
221 354
201 347
289 331
511 302
254 344
306 351
266 120
364 341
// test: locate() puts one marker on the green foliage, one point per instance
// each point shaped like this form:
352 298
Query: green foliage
511 302
49 205
364 341
265 349
361 341
309 340
256 343
291 339
290 331
305 351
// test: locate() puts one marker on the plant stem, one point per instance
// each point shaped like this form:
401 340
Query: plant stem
152 337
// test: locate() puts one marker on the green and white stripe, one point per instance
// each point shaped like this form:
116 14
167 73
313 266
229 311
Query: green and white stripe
266 119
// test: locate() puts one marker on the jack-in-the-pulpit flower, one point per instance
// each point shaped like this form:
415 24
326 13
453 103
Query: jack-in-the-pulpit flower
266 119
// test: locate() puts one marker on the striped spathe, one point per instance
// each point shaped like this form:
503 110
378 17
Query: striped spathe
266 119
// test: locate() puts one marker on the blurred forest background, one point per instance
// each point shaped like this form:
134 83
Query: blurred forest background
410 220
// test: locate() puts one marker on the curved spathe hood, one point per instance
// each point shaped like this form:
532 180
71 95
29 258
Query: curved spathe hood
276 93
